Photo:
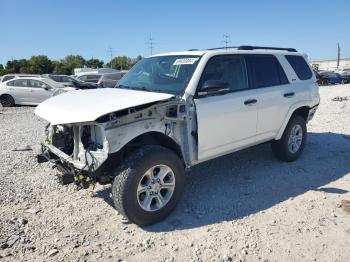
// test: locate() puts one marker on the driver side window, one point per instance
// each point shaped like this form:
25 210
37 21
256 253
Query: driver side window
228 68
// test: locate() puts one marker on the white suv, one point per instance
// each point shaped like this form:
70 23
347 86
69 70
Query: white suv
173 111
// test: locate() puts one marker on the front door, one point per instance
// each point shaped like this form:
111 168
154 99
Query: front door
226 123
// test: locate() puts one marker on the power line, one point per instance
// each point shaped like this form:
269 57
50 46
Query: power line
150 44
227 40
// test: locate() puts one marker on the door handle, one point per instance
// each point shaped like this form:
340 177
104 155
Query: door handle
290 94
250 102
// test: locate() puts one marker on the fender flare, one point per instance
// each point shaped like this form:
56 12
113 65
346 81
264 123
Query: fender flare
292 109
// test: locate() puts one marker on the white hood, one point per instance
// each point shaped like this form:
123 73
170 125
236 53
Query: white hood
88 105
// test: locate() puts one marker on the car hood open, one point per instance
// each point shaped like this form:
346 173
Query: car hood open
88 105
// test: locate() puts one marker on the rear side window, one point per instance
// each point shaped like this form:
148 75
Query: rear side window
265 71
20 82
6 78
300 66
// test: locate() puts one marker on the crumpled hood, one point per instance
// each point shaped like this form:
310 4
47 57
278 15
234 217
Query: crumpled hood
88 105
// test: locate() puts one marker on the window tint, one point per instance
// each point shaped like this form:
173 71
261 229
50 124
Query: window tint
265 71
10 83
21 82
6 78
56 78
92 77
36 84
228 68
300 66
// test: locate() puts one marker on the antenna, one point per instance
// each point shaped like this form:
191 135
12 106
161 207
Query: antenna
150 43
226 40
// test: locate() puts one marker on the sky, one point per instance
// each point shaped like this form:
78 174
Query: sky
88 28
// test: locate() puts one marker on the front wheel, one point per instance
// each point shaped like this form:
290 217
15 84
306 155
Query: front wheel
292 143
148 185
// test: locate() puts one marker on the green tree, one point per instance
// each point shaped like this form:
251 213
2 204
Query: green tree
73 61
2 70
120 63
39 64
59 68
17 66
94 63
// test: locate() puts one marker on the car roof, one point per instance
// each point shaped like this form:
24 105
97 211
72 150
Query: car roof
43 79
228 51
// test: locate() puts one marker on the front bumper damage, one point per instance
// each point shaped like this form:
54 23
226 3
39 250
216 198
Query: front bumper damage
84 165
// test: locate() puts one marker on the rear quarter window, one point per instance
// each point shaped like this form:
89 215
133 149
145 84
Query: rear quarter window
265 71
299 66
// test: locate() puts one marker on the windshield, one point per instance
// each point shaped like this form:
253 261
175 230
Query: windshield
166 74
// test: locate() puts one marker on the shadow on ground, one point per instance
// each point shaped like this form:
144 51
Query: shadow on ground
252 180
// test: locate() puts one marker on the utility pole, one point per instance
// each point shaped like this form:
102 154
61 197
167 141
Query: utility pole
226 40
338 60
110 53
150 43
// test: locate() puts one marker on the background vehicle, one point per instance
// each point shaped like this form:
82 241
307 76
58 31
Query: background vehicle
93 78
11 76
110 80
173 111
71 81
326 78
29 91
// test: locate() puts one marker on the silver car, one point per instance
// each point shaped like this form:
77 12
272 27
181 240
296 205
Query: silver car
29 91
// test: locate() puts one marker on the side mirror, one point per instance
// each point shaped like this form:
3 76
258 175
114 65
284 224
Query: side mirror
47 88
213 87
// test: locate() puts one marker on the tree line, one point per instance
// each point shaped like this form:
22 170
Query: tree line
41 64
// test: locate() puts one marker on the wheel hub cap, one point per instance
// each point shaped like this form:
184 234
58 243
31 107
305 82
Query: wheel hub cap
295 139
156 188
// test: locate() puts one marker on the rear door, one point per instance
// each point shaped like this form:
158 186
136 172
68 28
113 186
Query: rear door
275 94
39 91
226 122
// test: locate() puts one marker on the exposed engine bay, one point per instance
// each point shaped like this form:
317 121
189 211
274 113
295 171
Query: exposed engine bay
85 152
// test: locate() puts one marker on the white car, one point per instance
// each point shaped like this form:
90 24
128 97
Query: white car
29 91
173 111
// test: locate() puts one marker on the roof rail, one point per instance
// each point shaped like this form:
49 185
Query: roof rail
249 47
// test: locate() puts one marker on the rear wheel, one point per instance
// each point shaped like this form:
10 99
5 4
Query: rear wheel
7 101
293 140
148 185
325 82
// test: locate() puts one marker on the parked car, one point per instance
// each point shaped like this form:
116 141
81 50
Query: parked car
344 72
326 78
173 111
29 91
110 80
71 81
12 76
89 77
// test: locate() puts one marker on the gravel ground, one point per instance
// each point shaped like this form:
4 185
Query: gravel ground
246 206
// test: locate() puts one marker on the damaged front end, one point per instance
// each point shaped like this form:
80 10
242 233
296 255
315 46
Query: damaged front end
77 150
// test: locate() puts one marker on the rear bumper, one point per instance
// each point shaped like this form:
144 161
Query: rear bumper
312 112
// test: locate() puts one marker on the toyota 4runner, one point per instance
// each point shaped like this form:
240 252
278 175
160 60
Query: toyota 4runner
173 111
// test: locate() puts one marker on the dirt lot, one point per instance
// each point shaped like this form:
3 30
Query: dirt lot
246 206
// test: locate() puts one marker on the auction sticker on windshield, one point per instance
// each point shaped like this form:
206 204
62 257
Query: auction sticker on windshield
186 61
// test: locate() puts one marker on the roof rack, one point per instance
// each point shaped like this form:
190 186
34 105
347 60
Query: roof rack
249 47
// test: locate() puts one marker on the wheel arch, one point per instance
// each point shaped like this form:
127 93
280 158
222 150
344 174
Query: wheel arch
150 138
300 109
7 94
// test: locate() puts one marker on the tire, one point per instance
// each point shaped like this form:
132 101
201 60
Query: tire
7 101
325 82
133 177
283 149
